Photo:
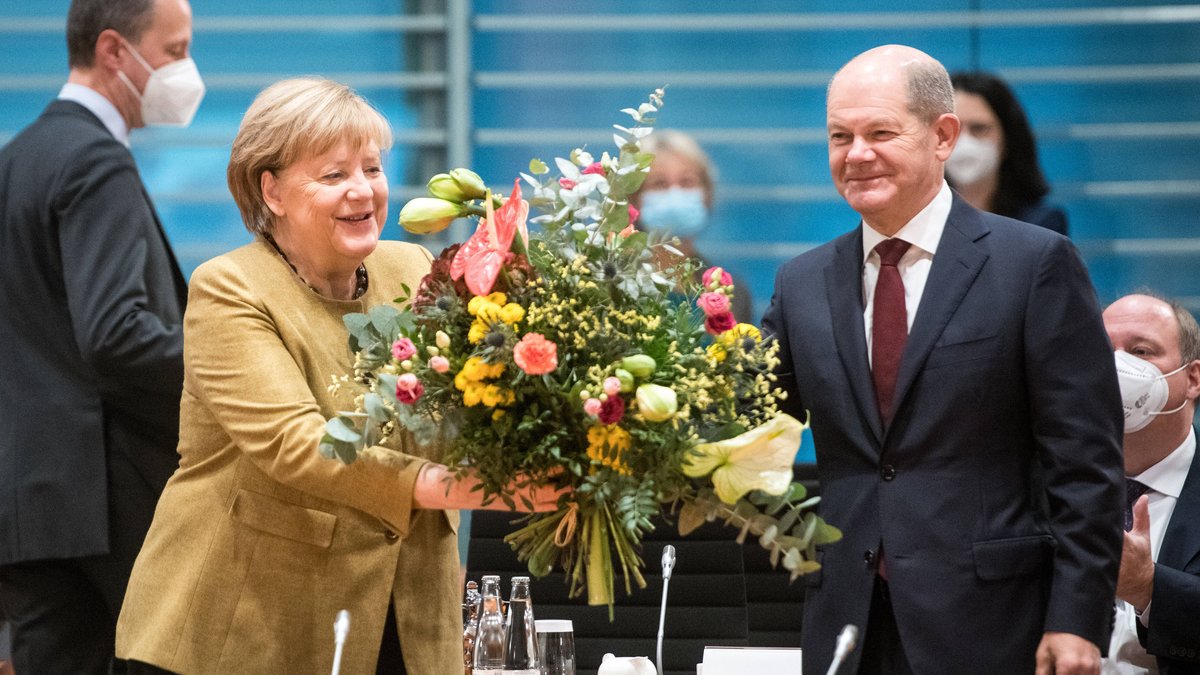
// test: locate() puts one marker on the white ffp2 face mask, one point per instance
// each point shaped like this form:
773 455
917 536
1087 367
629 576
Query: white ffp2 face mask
173 92
1144 390
972 160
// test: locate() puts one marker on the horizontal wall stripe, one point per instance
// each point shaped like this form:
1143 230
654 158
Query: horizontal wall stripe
256 81
742 22
761 22
758 79
512 136
333 23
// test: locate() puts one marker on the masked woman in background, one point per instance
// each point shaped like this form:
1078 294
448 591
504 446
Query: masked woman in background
995 163
677 197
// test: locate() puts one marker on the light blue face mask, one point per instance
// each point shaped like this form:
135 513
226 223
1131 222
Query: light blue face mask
678 211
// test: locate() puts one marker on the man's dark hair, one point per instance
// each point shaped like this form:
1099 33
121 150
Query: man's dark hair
88 18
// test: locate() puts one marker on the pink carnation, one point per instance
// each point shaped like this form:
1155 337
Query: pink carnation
633 215
709 273
595 168
592 407
439 364
409 390
719 323
567 183
713 303
535 355
612 410
403 349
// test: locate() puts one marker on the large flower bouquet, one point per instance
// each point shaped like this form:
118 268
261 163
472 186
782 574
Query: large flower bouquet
585 355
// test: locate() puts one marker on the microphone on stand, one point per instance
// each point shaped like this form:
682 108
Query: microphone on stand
846 642
341 628
668 564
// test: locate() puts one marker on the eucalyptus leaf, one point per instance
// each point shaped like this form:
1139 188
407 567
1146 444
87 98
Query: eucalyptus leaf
341 429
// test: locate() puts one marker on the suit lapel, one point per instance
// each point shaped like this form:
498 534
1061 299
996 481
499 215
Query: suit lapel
1182 538
955 267
843 286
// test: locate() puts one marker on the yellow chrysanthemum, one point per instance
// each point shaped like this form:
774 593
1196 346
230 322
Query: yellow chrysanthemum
473 394
479 330
512 313
606 445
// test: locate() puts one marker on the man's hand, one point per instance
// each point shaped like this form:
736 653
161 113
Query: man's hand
1067 654
1135 584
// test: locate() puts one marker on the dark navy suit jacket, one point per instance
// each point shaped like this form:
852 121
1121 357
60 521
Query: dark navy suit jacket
997 490
92 303
1174 632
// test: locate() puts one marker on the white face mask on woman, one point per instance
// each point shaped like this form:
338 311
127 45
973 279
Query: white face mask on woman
1144 390
972 160
173 92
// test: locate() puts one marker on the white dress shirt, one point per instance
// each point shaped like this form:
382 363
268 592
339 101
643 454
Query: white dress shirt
100 106
924 232
1126 656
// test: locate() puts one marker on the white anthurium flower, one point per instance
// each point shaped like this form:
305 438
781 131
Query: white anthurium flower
760 459
567 169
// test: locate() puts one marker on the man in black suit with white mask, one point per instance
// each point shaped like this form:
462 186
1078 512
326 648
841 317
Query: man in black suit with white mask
1158 591
92 301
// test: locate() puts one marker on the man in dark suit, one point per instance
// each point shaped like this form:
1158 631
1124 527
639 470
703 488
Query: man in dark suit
967 444
1158 608
92 302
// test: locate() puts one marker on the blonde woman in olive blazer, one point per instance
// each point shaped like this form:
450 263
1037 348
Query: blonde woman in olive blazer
258 541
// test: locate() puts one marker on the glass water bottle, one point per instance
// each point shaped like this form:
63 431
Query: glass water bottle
489 636
520 635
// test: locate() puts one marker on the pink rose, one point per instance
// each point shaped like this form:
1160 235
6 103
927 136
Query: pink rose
595 168
612 410
719 323
403 349
612 386
592 407
535 355
439 364
709 273
713 303
409 390
567 183
633 215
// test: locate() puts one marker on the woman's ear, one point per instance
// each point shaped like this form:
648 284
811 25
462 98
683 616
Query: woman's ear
270 191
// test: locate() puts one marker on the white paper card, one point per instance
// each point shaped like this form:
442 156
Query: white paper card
742 660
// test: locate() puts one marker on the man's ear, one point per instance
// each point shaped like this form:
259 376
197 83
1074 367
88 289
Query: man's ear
109 46
946 130
1193 380
270 190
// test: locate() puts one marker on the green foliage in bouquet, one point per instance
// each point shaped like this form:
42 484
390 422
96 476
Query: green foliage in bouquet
584 355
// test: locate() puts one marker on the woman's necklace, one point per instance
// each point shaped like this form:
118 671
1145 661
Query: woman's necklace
360 274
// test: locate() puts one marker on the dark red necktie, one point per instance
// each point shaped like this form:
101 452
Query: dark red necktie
889 325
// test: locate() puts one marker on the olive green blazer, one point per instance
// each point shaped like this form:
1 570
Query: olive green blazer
258 541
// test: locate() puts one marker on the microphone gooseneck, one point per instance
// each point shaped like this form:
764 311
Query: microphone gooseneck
846 642
341 628
668 565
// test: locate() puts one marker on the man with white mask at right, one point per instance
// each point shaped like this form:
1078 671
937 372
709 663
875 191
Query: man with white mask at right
92 301
1157 626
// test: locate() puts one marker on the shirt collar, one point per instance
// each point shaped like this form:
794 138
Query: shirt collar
99 106
1168 475
923 231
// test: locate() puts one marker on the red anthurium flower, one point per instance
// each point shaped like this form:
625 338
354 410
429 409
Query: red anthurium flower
482 256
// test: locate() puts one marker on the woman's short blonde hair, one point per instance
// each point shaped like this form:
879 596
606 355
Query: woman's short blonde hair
287 121
669 141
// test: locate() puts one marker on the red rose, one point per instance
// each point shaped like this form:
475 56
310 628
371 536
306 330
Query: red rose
612 410
719 323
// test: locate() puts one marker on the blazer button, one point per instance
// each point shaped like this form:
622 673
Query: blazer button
869 559
391 537
887 472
